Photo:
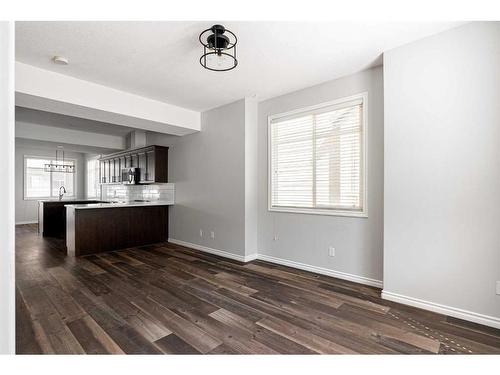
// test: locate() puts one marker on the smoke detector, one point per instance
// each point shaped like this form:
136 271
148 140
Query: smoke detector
60 60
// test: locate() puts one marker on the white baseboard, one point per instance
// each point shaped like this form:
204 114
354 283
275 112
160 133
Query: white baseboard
443 309
222 253
27 222
322 271
284 262
249 258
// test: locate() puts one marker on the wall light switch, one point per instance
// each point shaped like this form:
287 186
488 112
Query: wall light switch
498 288
201 232
331 251
275 238
212 235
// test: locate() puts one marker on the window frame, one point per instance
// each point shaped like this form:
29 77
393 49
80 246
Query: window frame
364 160
98 191
26 198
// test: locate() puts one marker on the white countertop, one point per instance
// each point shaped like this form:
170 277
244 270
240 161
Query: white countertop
69 200
118 205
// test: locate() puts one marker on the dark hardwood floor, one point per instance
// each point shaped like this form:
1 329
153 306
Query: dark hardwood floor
171 299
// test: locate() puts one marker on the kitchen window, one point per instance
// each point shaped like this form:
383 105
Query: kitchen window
317 159
93 186
39 184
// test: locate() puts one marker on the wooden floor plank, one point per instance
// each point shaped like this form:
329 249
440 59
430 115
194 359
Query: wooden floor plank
92 338
304 337
188 331
173 344
25 335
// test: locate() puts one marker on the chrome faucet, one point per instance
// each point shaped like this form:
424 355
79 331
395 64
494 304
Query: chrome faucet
61 194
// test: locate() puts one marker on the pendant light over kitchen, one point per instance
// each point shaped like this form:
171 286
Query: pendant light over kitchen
59 165
219 49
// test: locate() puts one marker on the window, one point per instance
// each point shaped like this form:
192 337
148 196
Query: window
39 184
93 187
317 159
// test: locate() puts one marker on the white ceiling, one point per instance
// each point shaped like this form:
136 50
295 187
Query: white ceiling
160 60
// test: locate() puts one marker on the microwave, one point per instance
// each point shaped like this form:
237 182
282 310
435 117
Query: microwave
130 176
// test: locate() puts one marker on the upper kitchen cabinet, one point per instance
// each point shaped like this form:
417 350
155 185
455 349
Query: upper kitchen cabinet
152 162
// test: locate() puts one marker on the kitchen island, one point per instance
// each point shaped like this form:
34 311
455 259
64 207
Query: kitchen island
52 216
100 227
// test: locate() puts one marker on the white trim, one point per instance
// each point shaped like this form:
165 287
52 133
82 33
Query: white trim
284 262
27 222
251 257
339 103
222 253
443 309
363 96
86 177
318 211
322 271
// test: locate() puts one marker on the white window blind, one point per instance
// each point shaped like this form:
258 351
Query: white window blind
317 159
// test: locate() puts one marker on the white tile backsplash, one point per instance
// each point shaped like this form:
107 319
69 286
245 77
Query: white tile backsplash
155 192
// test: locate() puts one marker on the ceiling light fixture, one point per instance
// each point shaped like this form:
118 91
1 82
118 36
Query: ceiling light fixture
60 60
59 165
219 49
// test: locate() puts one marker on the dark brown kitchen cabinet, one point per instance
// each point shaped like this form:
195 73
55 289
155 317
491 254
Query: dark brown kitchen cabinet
108 170
151 165
116 170
52 216
112 171
143 166
134 161
102 168
106 175
123 164
152 162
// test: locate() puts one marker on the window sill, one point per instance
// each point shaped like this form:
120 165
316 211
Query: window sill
319 211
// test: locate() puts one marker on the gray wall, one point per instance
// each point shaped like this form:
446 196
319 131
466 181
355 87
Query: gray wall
305 238
27 210
251 177
442 169
208 169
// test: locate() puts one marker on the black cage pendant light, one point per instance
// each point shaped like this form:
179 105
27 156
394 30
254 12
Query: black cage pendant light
219 49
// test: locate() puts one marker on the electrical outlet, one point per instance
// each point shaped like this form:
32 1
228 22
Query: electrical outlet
498 288
331 251
201 232
212 235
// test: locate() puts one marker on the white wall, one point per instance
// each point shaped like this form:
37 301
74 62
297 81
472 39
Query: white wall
61 135
49 91
305 238
442 172
208 169
7 302
27 210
